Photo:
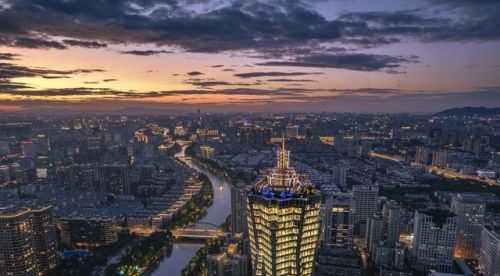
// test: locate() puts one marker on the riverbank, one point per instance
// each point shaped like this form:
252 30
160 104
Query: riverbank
214 167
149 250
183 252
198 265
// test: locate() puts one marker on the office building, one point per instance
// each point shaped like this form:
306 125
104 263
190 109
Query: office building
238 208
338 221
489 256
434 240
283 221
28 244
469 209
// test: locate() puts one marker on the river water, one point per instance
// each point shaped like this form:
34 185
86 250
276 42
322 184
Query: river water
183 252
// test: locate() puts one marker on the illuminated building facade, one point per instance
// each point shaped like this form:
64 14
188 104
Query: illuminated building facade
283 221
28 244
207 152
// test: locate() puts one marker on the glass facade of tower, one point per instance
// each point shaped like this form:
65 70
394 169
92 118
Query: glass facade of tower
283 222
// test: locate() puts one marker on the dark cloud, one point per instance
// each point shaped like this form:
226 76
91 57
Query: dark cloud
290 80
475 21
217 66
228 70
9 71
90 82
79 91
358 62
84 43
272 74
277 30
106 93
194 73
146 52
8 85
236 26
280 99
212 82
32 43
109 80
8 56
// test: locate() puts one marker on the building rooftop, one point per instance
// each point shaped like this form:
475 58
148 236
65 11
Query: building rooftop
282 181
439 215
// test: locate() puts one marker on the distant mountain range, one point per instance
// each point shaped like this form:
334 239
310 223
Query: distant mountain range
471 111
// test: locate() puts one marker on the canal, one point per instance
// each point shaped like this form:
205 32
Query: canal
183 252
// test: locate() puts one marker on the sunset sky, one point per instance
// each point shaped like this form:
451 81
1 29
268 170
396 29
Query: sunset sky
220 55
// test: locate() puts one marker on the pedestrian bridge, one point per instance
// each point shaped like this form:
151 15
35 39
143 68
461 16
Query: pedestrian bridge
200 230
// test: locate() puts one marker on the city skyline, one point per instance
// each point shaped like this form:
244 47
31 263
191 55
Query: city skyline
217 55
219 194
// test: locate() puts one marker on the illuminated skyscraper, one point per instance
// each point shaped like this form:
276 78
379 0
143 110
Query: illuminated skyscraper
283 221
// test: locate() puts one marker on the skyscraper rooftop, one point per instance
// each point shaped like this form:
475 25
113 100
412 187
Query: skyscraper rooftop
283 181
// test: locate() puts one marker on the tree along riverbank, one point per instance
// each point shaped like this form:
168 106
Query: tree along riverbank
149 250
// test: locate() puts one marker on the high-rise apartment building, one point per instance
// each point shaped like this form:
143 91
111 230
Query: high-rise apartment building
439 158
365 198
28 244
283 221
374 232
470 210
238 208
338 221
4 174
392 214
339 174
115 178
489 256
292 131
422 155
88 232
434 240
